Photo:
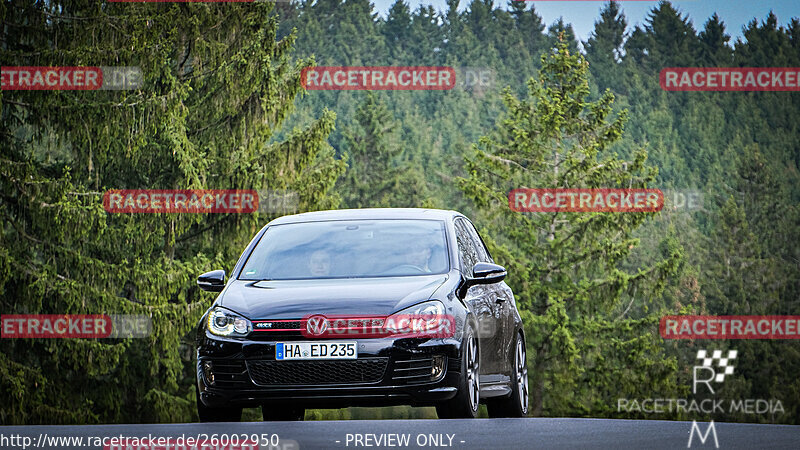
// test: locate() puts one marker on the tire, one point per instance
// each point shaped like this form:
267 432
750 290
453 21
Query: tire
465 404
272 412
207 414
516 404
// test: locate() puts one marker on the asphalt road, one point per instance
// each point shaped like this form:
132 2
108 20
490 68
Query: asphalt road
458 434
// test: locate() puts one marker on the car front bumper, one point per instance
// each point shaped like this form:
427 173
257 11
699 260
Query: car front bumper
387 372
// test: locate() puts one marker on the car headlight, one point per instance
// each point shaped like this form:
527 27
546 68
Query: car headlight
425 319
433 307
227 323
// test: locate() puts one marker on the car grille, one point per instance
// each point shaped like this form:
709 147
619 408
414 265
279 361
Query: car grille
273 325
357 371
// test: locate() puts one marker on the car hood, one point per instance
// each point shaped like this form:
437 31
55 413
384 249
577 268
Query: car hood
293 299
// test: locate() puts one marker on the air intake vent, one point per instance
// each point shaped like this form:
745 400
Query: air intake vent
278 373
414 370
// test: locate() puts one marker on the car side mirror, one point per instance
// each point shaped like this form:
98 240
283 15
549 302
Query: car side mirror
213 281
488 273
482 273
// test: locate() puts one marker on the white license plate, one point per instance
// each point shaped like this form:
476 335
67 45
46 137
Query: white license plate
316 350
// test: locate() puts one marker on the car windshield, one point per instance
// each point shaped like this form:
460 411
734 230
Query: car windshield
349 249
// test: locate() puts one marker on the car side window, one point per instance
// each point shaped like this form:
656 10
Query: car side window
466 248
482 251
471 253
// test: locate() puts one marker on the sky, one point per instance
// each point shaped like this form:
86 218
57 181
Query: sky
582 14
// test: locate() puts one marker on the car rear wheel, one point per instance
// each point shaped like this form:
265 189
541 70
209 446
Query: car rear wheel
465 404
282 412
515 405
208 414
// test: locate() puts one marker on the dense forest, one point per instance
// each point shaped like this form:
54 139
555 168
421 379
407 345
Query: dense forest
222 106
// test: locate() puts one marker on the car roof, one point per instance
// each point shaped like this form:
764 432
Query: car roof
367 213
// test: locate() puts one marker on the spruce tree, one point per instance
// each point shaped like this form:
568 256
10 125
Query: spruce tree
217 84
397 31
565 268
377 176
604 46
714 49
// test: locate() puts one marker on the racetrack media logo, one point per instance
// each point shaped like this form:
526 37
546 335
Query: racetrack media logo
70 78
585 200
374 78
715 366
724 367
711 429
730 79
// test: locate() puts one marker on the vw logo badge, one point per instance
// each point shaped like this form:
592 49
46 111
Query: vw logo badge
316 325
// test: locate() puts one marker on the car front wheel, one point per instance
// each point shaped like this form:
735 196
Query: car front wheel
515 405
465 404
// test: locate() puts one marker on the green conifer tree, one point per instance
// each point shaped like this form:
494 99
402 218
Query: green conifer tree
566 267
217 84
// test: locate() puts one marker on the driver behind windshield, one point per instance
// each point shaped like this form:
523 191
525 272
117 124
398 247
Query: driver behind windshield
418 256
319 264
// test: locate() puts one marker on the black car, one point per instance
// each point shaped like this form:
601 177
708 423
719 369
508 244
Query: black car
368 307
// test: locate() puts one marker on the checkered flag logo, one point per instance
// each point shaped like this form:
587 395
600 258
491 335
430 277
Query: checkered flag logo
724 366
